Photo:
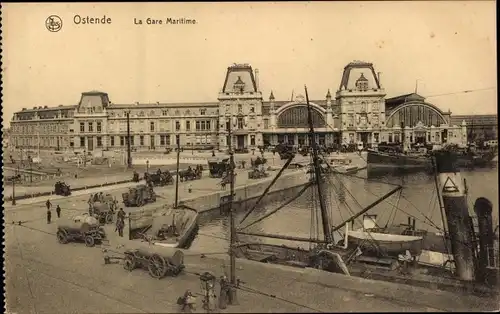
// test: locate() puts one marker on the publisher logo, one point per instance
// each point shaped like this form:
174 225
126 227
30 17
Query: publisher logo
53 23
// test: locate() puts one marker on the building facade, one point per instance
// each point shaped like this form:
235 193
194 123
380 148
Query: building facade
359 112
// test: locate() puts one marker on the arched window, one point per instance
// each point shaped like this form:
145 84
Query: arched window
297 117
412 114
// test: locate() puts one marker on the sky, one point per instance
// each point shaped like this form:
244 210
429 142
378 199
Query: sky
448 46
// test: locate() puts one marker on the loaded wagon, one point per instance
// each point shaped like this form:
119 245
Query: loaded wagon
80 228
61 188
139 196
158 261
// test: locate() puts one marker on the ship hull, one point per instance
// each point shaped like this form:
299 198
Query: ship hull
331 259
380 160
386 244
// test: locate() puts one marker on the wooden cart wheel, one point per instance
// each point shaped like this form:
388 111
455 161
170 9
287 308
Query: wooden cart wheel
130 262
157 266
109 218
89 241
62 237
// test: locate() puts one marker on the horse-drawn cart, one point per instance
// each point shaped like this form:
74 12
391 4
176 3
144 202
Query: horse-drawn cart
138 196
158 262
80 228
159 178
217 167
61 188
257 173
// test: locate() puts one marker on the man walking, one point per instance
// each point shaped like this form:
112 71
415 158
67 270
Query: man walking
120 215
58 211
49 215
48 204
120 224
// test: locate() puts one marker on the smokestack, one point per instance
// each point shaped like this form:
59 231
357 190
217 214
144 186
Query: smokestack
378 78
483 209
457 214
257 80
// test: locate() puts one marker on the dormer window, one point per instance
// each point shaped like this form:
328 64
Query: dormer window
362 83
203 112
363 106
239 85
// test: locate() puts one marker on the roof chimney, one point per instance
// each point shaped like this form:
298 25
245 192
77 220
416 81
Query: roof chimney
378 79
257 80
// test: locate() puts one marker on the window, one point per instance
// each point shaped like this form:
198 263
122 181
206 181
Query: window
112 141
91 127
252 109
350 120
240 108
82 127
99 141
428 137
202 125
227 108
240 123
252 140
188 125
363 119
203 112
177 125
82 141
396 138
99 127
376 137
162 140
122 140
164 112
375 120
152 126
363 106
141 140
375 106
132 140
266 124
390 137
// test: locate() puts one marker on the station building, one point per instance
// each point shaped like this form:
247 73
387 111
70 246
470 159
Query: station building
358 112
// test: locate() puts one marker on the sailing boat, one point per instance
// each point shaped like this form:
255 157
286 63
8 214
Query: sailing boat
166 225
325 254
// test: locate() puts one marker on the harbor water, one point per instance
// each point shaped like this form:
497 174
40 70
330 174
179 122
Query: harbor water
345 196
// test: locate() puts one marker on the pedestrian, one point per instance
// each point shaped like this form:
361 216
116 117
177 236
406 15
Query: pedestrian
120 224
224 292
49 216
190 188
48 204
58 211
120 215
187 301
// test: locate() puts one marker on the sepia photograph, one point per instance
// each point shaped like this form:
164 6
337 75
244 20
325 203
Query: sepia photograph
250 157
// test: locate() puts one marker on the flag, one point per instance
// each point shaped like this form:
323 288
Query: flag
291 99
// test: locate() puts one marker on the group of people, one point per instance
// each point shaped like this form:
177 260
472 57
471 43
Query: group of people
49 212
188 300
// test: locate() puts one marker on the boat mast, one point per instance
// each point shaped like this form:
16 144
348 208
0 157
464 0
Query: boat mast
178 140
317 173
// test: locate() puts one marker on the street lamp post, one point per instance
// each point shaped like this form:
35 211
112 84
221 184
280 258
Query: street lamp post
233 296
129 156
